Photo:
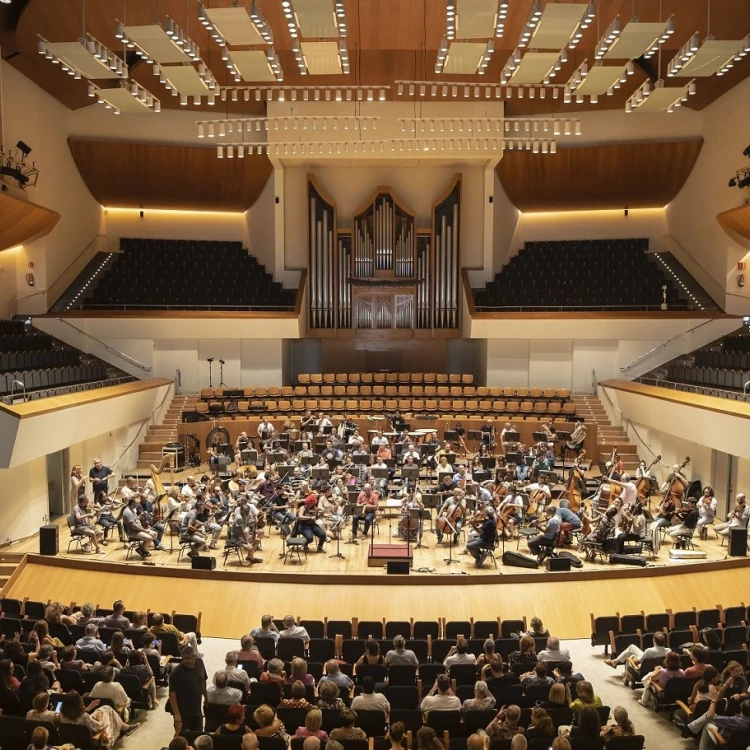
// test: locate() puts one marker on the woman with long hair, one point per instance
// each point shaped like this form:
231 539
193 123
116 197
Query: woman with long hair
97 718
622 727
427 739
541 726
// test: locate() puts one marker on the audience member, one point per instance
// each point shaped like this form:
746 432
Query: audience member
267 629
90 641
328 696
541 726
369 700
187 689
108 689
426 740
622 726
292 630
313 724
235 723
526 654
553 652
298 697
482 699
274 672
235 674
586 697
269 724
183 639
101 720
221 692
334 674
441 697
299 672
399 654
40 710
347 730
505 725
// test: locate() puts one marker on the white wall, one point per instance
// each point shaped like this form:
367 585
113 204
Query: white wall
24 507
418 187
692 214
33 116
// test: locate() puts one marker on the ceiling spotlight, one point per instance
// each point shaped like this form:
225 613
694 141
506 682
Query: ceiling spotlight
746 152
733 182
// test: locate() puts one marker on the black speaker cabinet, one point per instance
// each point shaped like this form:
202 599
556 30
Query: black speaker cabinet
398 567
49 539
558 564
738 542
203 562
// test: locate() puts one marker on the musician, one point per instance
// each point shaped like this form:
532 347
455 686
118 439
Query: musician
643 472
507 445
304 452
688 519
636 530
358 449
134 529
307 516
484 496
238 534
453 511
398 423
410 453
548 538
103 506
676 473
355 438
82 524
707 505
331 507
461 477
443 466
522 469
664 516
570 522
487 528
460 431
209 526
629 492
190 488
331 453
265 428
191 530
129 490
738 519
577 437
77 482
306 422
488 433
541 462
243 442
604 526
145 511
510 511
322 423
369 499
99 477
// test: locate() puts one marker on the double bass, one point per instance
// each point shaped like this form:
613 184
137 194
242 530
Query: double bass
573 491
643 485
678 486
609 491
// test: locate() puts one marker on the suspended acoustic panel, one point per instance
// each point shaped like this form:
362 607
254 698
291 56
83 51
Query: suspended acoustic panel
144 175
23 221
446 231
634 175
323 263
382 274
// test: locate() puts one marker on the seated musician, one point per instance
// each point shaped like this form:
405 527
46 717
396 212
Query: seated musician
265 428
460 431
486 525
447 485
104 506
636 529
238 534
243 442
665 514
738 518
453 511
604 526
430 439
507 445
541 461
304 452
369 499
412 501
545 541
331 506
484 496
307 526
462 476
643 472
570 523
510 512
676 473
707 505
177 505
443 466
134 529
191 530
355 438
280 510
358 449
488 432
257 521
306 422
688 520
331 453
276 447
82 522
522 470
384 451
129 489
410 452
441 452
145 510
323 422
398 423
629 492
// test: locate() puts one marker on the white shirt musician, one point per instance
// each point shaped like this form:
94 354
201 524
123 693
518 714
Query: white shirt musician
541 487
129 490
411 452
508 428
265 429
629 492
738 518
515 501
707 505
453 509
190 488
443 466
323 422
379 440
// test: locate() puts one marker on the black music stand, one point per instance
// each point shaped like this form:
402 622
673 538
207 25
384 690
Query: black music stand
449 560
430 500
321 473
352 509
511 436
563 437
422 515
451 435
337 526
410 473
539 437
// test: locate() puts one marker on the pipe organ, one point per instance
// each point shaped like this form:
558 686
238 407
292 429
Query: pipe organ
384 273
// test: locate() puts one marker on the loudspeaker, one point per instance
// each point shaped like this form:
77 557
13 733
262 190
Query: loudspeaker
738 542
49 540
558 564
397 567
203 562
636 560
517 560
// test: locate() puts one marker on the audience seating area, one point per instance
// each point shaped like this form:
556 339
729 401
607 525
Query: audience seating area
39 362
722 630
184 274
580 275
343 640
364 393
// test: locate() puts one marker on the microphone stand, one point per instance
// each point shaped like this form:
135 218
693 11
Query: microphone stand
210 361
222 384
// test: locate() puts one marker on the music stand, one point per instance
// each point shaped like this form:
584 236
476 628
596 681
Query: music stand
539 437
422 515
327 429
410 472
306 460
563 436
277 457
451 435
488 462
549 476
337 527
362 458
321 473
449 560
284 470
528 460
511 436
379 473
442 475
249 456
332 464
352 509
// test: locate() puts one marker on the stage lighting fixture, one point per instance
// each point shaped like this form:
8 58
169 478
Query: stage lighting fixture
23 148
746 152
733 182
744 182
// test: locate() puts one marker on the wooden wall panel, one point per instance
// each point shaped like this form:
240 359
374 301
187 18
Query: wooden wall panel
736 220
22 221
142 175
636 175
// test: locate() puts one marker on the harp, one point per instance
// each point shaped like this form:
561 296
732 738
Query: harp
168 459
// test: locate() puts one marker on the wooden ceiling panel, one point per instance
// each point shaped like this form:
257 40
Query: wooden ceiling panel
140 175
736 221
387 39
633 175
22 221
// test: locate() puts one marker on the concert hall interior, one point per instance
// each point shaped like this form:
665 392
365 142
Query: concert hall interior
423 321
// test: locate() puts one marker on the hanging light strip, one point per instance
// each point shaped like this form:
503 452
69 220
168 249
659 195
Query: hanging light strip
691 48
667 99
223 128
668 31
578 78
531 23
305 93
485 61
179 39
295 32
412 145
502 17
609 38
128 97
528 127
472 90
85 58
450 19
256 16
585 23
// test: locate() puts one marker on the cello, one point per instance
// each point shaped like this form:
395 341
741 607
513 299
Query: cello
643 485
573 491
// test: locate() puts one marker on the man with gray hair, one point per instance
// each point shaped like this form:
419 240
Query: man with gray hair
336 676
234 674
91 640
292 630
220 692
311 743
267 629
203 742
401 655
553 652
475 742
